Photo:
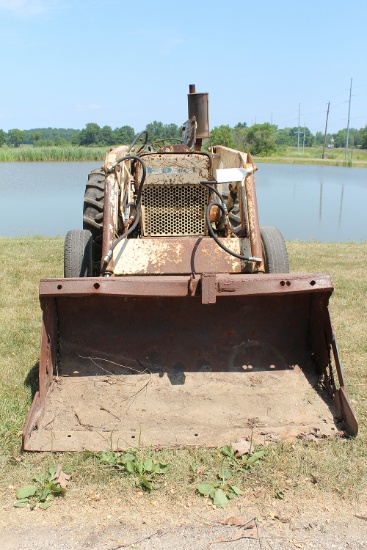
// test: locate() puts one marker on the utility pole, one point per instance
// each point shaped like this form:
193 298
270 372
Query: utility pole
350 98
299 118
327 116
304 138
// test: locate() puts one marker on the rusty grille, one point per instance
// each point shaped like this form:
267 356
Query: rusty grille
174 210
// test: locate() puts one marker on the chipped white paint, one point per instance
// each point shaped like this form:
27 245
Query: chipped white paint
175 256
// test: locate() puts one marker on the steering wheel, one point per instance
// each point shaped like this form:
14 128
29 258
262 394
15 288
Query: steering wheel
142 136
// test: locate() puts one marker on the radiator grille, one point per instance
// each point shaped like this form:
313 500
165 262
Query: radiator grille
174 210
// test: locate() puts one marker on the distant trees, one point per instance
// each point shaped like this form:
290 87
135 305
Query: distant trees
364 137
90 135
355 138
158 130
2 137
16 137
222 135
259 139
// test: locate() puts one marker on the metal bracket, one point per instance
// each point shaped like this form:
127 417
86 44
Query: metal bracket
208 288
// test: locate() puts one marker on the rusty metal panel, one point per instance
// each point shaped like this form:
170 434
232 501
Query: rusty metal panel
176 256
179 286
176 168
110 217
253 216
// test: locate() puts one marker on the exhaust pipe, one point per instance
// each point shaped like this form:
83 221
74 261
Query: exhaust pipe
198 106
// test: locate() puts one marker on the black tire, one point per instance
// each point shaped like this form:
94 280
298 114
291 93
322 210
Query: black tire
274 250
78 254
93 213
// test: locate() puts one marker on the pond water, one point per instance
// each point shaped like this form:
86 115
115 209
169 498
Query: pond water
323 203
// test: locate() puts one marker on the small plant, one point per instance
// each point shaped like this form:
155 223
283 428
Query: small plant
240 457
220 492
246 459
145 471
52 484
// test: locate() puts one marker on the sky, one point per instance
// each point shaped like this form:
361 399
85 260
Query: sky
65 63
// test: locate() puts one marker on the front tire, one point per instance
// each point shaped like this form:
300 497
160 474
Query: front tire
274 250
78 260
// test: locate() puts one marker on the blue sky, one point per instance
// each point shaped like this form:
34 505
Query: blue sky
114 62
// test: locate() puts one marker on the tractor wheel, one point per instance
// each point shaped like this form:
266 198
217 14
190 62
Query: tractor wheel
93 213
274 250
78 254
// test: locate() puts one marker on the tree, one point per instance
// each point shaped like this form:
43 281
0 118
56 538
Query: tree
2 138
75 140
34 137
16 137
90 135
172 131
61 142
283 137
106 136
309 138
319 138
155 130
222 135
124 135
260 139
364 137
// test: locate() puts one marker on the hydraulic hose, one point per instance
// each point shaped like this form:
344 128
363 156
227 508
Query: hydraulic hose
224 211
108 256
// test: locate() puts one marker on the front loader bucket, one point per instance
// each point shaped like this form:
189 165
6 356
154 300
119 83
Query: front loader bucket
175 361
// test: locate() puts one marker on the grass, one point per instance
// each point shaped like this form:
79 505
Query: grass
50 154
299 470
313 155
286 155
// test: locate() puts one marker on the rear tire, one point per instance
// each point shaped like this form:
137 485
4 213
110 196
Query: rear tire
78 254
274 250
93 213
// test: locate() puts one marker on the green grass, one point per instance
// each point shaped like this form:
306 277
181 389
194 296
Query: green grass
286 155
50 154
313 155
299 470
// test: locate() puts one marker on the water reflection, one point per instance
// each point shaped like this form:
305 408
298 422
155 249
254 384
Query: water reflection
323 203
341 206
320 204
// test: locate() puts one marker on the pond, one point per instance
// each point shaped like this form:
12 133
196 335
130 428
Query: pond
323 203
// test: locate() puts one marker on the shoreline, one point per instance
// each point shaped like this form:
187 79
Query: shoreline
97 154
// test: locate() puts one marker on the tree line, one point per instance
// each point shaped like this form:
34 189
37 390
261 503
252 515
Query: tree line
259 139
266 139
91 135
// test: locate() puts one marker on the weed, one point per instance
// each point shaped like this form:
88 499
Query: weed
52 484
145 471
246 460
222 491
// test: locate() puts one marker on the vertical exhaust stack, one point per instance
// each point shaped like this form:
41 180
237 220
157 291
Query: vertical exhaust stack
198 105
